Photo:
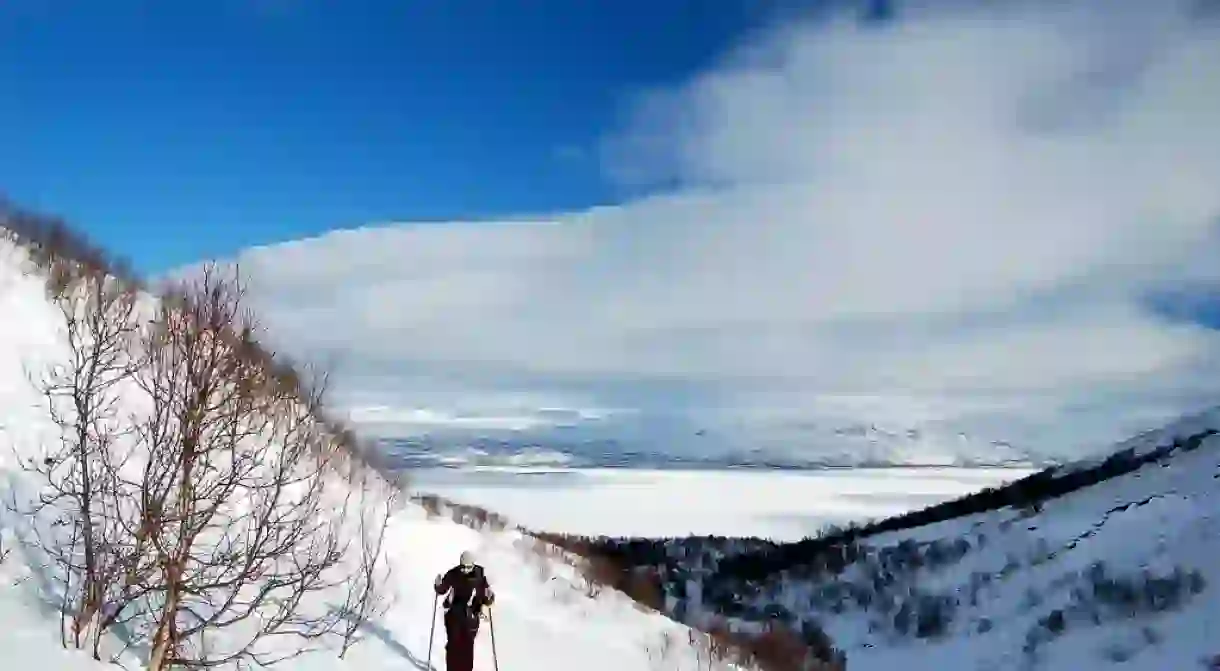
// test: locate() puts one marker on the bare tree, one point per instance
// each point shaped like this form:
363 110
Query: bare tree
202 511
235 513
366 597
82 392
50 241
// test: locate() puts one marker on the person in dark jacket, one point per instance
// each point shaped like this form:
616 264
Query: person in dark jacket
467 592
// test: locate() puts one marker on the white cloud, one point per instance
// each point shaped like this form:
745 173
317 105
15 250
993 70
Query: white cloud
972 202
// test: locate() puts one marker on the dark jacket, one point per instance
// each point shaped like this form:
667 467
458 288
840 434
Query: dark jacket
468 591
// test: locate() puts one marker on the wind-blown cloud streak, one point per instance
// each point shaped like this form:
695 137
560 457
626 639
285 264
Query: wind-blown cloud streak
957 216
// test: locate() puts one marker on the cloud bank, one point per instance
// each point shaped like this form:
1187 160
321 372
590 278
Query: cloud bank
957 216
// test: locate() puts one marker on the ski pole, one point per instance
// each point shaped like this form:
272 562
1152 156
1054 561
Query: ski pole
432 629
491 624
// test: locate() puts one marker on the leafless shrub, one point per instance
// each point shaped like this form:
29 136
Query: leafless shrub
659 655
600 573
645 589
781 649
542 559
366 596
717 645
475 517
233 530
592 588
50 241
431 503
77 473
776 648
210 508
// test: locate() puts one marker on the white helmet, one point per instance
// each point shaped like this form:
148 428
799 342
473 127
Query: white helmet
467 559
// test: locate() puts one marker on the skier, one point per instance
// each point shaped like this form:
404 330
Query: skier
467 592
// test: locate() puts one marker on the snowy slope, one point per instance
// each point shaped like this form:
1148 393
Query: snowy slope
544 618
1125 571
1106 565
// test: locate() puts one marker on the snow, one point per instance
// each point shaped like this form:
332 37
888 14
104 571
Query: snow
544 618
777 504
29 642
1179 527
1160 519
1163 518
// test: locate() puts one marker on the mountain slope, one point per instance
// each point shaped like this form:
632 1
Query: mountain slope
1083 566
1124 570
545 617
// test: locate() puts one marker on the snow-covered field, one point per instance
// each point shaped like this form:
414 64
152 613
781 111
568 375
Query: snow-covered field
777 504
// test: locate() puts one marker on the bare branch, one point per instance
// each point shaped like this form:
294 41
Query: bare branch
366 596
196 496
236 508
99 320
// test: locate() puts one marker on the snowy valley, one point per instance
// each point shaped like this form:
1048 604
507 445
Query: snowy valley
1107 562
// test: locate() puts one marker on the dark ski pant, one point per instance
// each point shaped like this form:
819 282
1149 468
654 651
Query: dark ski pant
460 632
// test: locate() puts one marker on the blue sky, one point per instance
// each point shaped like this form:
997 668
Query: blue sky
982 214
174 131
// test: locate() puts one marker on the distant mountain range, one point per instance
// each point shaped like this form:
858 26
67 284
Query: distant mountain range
852 446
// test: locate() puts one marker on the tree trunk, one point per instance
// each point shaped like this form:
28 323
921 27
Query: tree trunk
165 639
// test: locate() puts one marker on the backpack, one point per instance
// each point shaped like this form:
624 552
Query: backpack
476 577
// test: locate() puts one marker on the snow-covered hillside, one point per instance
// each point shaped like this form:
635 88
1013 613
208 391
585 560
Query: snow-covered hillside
546 615
1122 570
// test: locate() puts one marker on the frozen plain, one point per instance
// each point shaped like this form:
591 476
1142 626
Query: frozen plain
781 505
